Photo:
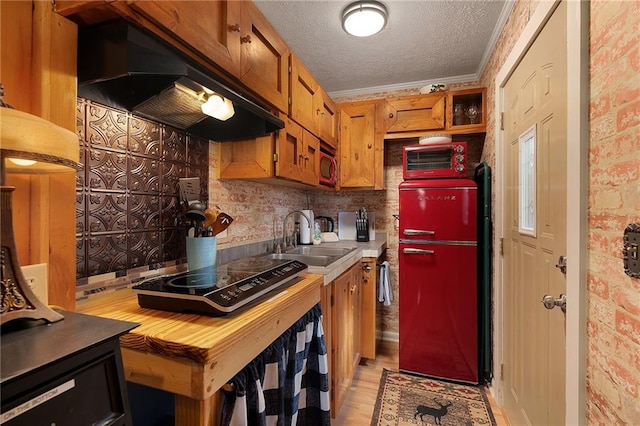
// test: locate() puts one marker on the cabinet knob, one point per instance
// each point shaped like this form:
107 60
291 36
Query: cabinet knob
368 146
390 115
318 111
245 39
234 28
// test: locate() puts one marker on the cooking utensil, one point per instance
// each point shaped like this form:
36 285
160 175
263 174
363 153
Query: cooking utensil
221 223
210 216
196 218
197 205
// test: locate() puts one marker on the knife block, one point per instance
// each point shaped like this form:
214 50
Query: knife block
362 231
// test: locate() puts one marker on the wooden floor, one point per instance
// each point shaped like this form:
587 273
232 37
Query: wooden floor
358 406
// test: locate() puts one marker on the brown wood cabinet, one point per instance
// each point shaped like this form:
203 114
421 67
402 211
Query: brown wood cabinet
232 37
361 135
370 321
417 113
345 333
247 159
310 104
328 132
355 299
306 98
209 28
263 57
297 154
290 153
467 110
326 304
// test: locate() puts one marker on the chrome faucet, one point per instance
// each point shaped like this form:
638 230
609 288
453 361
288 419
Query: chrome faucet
278 248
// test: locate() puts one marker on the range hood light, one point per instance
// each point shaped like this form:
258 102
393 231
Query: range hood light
22 162
218 107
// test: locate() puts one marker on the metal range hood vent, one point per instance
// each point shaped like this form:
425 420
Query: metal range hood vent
123 67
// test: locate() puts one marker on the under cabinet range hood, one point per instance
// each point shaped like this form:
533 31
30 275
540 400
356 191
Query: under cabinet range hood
124 67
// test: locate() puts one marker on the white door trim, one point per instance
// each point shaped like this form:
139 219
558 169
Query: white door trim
577 185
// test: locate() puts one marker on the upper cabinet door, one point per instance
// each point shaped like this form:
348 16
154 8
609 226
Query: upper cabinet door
311 161
357 145
209 28
264 58
290 151
418 113
305 96
328 120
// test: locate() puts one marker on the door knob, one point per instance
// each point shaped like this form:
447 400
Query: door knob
550 302
562 264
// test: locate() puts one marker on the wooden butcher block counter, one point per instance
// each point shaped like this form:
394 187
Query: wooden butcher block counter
193 356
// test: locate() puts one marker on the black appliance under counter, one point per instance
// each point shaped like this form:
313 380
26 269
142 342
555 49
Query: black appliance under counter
66 373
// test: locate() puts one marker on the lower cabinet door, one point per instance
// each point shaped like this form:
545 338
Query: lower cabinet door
327 314
342 326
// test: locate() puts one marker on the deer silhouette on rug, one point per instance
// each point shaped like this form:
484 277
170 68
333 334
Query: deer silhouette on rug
437 413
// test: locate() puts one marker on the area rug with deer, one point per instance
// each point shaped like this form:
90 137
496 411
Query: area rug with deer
405 399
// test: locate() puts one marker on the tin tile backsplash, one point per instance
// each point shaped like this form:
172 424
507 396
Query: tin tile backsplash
127 211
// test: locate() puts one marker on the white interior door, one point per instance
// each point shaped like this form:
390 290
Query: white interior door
534 188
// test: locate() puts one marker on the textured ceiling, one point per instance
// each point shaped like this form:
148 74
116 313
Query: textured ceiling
429 41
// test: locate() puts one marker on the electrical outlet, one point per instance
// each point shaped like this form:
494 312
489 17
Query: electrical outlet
36 276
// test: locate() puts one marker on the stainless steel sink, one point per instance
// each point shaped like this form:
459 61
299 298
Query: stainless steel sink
321 251
313 256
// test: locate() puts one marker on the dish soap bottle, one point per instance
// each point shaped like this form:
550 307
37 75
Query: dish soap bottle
317 235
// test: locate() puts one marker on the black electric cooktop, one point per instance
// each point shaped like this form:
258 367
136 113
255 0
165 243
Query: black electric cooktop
218 290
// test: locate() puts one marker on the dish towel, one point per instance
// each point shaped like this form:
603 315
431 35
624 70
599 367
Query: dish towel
385 294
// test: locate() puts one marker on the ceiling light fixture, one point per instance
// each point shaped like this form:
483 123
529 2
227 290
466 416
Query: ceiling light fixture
364 18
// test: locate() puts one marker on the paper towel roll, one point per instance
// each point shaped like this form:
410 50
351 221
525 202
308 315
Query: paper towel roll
306 228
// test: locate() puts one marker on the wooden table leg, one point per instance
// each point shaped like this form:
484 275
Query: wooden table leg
194 412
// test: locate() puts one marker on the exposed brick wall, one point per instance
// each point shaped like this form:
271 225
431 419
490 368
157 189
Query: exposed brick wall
257 208
613 357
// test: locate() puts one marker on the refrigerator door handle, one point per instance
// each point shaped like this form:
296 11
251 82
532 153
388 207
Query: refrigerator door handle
417 251
417 232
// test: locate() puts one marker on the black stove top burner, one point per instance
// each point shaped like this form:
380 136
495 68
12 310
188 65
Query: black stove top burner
220 289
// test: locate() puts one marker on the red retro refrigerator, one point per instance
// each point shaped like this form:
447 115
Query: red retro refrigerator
438 278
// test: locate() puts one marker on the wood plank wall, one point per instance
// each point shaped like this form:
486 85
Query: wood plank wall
38 70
